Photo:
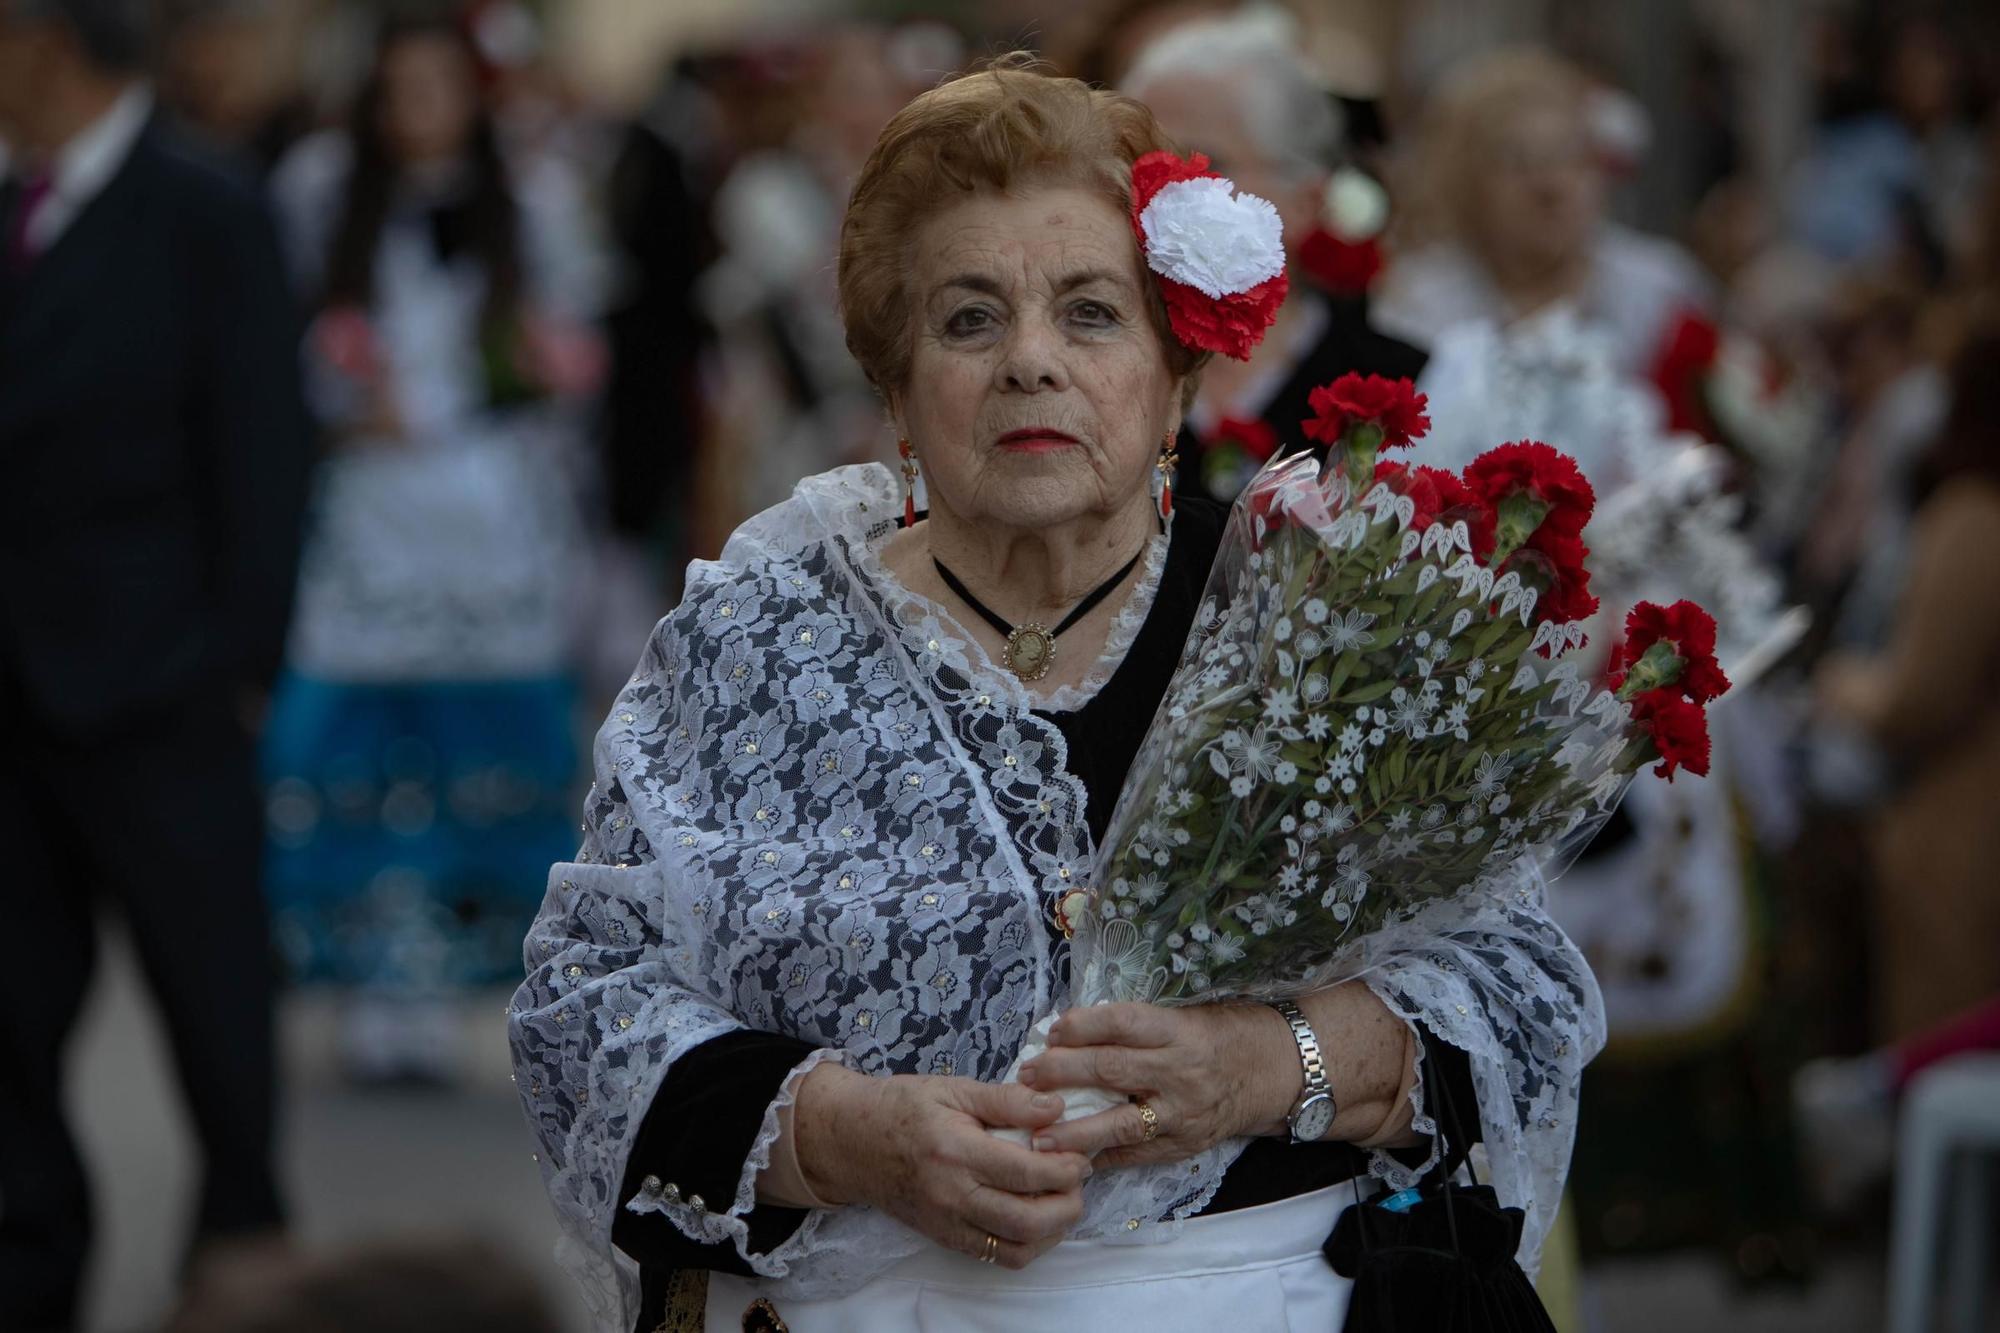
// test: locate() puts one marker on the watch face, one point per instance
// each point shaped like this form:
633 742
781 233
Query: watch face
1312 1120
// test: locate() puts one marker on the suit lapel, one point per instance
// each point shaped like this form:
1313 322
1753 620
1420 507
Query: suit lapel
37 303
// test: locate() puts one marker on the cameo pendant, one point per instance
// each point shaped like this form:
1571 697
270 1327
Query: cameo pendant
1029 652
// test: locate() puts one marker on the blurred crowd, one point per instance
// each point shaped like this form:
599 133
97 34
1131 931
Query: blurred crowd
556 346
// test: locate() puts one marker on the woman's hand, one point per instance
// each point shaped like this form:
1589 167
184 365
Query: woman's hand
1208 1072
916 1147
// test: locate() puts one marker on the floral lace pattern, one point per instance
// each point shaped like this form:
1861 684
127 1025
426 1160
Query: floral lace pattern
820 810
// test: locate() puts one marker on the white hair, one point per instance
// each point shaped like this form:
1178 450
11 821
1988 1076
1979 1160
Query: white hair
1289 114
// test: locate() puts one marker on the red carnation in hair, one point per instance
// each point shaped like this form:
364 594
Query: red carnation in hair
1231 325
1352 400
1344 268
1536 469
1159 168
1678 729
1691 633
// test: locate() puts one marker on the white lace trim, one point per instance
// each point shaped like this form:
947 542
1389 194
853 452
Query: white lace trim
1123 634
712 1227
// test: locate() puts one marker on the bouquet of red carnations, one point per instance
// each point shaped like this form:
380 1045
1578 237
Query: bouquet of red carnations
1375 711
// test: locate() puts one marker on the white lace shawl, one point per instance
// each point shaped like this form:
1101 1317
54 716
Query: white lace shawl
821 810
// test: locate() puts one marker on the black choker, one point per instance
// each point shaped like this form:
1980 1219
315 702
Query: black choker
1031 648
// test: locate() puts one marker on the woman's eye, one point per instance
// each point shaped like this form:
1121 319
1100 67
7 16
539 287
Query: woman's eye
968 321
1094 312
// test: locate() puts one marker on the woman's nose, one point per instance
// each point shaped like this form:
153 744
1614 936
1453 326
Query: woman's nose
1034 360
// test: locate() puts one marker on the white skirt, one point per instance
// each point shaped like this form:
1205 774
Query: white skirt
1253 1269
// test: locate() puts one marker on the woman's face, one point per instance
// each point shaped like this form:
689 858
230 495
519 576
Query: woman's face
1540 193
1038 389
429 98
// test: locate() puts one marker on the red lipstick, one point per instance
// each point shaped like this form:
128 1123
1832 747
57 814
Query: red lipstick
1036 439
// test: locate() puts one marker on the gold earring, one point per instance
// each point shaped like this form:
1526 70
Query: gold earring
909 482
1169 460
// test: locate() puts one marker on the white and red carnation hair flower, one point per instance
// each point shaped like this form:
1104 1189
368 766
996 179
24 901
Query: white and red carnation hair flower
1219 254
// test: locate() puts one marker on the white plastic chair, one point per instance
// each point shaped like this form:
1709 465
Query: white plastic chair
1948 1136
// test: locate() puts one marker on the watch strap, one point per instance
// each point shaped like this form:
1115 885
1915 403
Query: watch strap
1310 1058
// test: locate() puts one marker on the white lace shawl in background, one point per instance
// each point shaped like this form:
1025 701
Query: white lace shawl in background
821 810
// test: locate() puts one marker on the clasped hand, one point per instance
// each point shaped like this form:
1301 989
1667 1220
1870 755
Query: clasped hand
917 1146
1205 1071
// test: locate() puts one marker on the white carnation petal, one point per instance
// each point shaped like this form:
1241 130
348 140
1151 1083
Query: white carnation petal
1203 234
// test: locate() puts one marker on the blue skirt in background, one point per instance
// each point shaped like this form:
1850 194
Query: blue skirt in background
412 825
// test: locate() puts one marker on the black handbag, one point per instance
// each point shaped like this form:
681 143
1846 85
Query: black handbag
1441 1264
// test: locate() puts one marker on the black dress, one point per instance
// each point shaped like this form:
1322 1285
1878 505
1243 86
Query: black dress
706 1115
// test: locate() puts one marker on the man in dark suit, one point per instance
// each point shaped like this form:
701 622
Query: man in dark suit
153 454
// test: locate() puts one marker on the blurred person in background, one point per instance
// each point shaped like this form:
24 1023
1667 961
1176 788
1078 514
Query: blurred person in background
1506 221
1547 321
1234 88
1928 698
1894 175
156 447
420 750
788 400
1106 55
224 73
1893 398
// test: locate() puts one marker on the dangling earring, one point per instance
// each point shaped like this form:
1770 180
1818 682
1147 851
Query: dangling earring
909 482
1169 460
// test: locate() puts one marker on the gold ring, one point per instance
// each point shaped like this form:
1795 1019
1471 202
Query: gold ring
1152 1119
991 1251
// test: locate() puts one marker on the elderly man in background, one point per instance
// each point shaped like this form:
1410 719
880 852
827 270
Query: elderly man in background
156 446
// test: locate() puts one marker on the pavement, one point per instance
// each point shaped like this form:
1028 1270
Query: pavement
360 1165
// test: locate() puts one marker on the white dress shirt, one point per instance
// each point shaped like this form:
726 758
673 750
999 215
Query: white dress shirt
86 164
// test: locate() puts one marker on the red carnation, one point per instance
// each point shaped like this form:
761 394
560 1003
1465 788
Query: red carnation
1344 268
1157 169
1678 729
1532 468
1231 325
1457 501
1394 406
1689 633
1686 358
1564 580
1441 496
1255 437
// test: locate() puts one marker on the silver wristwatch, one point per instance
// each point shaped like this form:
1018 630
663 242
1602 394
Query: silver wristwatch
1312 1115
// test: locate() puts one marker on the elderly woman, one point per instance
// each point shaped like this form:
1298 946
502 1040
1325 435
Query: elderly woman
770 1002
1506 217
1234 88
